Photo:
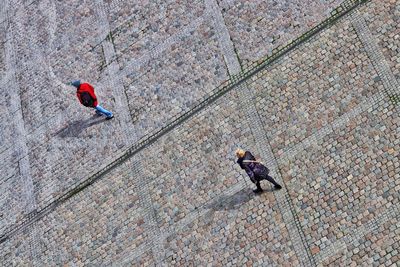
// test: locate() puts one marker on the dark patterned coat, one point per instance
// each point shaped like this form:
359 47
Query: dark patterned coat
256 171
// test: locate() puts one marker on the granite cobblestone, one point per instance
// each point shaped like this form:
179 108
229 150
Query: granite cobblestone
257 27
343 185
243 233
95 225
144 28
188 165
376 55
306 93
382 18
377 248
189 69
350 179
47 139
11 208
16 252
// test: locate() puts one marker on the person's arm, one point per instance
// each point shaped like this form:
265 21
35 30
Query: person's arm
77 95
240 162
249 172
249 156
91 91
92 94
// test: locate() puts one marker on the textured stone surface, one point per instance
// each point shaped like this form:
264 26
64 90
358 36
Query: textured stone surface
190 69
257 27
321 121
243 230
378 248
350 178
314 85
135 31
2 49
11 206
96 226
16 252
383 18
195 163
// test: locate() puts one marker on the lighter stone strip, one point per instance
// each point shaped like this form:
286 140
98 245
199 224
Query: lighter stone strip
20 136
149 214
3 11
21 141
375 53
246 97
176 228
141 186
282 197
135 64
224 39
122 111
337 124
5 80
14 7
392 213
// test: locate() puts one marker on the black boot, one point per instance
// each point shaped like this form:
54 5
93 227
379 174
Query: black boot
259 189
278 186
271 180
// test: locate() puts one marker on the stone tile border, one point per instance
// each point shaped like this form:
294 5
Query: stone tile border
112 80
151 225
29 201
179 226
374 100
283 199
234 82
246 96
224 39
375 54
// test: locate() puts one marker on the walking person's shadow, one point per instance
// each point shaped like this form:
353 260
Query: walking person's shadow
75 128
231 202
234 201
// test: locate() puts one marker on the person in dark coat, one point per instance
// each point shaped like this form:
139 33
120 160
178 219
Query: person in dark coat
87 97
256 170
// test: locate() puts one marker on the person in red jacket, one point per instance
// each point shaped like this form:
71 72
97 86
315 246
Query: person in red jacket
87 97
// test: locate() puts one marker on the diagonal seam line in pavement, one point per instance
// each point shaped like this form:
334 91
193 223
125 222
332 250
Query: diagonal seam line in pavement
217 93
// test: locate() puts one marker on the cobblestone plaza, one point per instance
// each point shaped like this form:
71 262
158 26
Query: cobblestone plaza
311 87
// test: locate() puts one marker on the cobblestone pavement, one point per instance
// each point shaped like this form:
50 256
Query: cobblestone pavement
383 18
257 27
323 117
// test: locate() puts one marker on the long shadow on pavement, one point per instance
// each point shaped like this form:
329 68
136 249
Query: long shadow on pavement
75 128
235 201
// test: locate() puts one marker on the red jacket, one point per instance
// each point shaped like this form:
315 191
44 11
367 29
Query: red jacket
85 87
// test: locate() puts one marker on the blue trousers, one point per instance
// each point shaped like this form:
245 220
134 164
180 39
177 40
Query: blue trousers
101 110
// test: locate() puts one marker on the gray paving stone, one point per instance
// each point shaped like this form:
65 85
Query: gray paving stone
257 27
182 200
12 204
296 100
383 20
347 210
190 68
137 30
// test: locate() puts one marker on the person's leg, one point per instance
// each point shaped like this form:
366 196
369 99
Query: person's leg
103 111
271 180
259 189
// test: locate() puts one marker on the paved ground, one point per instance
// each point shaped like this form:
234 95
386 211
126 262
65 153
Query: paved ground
149 188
